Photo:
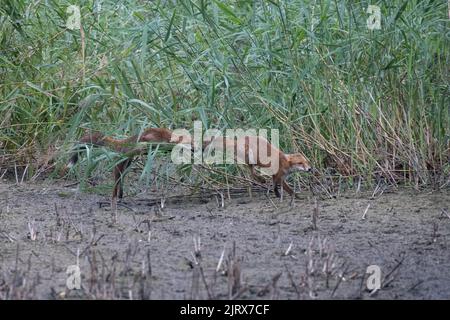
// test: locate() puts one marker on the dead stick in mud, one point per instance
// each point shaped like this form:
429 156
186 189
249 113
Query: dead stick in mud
416 285
288 250
272 284
57 216
340 278
228 186
70 250
361 285
219 264
358 188
16 174
195 284
120 204
445 183
71 184
386 280
16 266
93 243
315 214
435 232
24 173
42 169
239 293
365 212
7 236
197 255
205 283
378 187
291 280
7 202
445 212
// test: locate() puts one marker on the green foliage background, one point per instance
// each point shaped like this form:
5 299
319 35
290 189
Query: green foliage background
358 100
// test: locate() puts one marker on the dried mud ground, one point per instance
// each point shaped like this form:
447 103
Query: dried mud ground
270 249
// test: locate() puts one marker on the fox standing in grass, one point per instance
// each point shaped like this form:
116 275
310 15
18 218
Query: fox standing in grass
246 150
256 151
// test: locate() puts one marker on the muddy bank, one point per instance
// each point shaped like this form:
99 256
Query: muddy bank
258 248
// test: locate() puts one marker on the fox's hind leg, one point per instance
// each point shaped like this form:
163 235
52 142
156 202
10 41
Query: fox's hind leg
119 177
127 164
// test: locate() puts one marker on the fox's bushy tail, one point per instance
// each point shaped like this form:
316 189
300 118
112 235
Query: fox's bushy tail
96 139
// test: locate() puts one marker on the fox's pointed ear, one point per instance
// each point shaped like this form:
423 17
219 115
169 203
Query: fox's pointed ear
288 157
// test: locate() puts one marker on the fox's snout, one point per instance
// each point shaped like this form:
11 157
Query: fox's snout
298 163
305 168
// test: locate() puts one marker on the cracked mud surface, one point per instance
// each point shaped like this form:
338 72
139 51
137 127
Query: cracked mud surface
150 253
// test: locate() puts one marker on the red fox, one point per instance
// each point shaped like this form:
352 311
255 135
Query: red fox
247 151
126 146
245 148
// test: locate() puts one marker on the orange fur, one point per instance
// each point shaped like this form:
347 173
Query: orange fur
127 146
246 151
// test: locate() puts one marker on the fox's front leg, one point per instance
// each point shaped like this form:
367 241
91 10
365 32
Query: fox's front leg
255 175
278 180
289 190
276 183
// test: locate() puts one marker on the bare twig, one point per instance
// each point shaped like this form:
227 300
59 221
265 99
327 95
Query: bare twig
365 212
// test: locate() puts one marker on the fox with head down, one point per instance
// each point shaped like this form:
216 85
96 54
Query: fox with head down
247 150
256 151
